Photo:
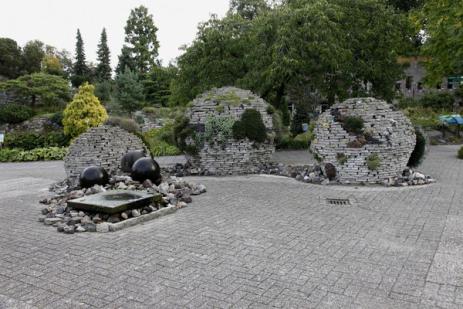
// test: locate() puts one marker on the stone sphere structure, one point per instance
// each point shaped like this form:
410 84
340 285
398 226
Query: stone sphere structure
376 151
146 168
231 156
129 159
93 175
102 146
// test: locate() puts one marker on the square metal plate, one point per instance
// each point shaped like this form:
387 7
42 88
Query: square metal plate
112 202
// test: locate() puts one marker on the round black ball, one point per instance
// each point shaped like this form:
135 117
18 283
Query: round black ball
93 175
146 168
129 159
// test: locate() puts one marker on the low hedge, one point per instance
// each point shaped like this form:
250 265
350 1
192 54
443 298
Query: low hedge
15 113
161 141
29 140
38 154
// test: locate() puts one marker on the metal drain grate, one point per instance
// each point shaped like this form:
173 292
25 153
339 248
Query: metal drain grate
338 201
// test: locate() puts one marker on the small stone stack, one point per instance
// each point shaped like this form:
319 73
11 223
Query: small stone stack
101 146
232 157
393 134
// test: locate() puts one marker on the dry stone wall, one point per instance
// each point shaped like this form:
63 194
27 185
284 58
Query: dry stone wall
101 146
391 132
233 156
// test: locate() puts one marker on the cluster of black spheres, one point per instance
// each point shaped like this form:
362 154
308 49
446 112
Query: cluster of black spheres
139 166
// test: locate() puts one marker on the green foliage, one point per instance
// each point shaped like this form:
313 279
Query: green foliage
460 153
57 118
424 117
250 126
85 111
32 55
129 91
183 131
373 162
417 155
156 85
441 20
80 70
127 124
46 89
437 101
353 124
341 158
406 5
141 39
327 47
10 58
161 141
103 69
104 90
302 115
289 143
14 113
219 129
29 141
38 154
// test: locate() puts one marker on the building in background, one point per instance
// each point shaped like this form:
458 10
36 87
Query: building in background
412 86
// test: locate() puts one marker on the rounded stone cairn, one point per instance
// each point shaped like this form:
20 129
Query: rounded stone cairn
93 175
129 159
102 146
372 154
146 168
232 156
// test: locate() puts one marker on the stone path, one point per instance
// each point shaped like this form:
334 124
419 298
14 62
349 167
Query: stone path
255 241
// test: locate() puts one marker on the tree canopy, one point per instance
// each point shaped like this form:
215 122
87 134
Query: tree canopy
32 55
442 22
80 72
10 58
141 39
333 48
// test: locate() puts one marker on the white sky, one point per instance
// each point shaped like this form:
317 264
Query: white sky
55 22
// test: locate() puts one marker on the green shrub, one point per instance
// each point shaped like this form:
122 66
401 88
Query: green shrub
353 124
460 153
341 158
38 154
57 118
289 143
85 111
373 162
29 141
218 129
420 148
437 101
423 117
15 113
250 126
306 138
161 141
407 102
127 124
301 116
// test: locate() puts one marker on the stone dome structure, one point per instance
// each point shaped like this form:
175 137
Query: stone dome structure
369 153
231 156
102 146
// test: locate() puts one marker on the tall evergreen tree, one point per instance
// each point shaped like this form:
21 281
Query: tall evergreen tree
80 69
141 39
103 69
126 61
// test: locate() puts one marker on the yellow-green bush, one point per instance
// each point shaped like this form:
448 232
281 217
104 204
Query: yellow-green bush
85 111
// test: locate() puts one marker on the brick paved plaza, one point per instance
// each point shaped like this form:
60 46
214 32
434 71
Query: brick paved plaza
254 241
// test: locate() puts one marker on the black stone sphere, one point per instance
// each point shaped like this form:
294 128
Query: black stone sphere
146 168
129 159
93 175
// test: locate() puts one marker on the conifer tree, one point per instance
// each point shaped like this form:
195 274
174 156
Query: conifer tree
103 69
80 70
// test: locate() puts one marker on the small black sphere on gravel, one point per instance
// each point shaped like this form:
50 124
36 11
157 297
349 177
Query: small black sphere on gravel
93 175
146 168
129 159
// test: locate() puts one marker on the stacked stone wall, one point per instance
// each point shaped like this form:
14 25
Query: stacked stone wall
232 157
391 130
101 146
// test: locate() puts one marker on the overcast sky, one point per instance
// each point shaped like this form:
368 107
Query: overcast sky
55 22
